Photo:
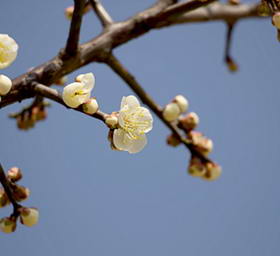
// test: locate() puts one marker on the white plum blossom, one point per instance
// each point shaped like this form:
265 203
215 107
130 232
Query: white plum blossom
5 85
8 50
134 121
77 93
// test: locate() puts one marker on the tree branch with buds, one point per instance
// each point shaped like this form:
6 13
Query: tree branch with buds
128 126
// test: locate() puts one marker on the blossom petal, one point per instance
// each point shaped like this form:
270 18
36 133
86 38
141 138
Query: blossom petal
72 95
8 50
119 139
131 101
88 80
145 119
138 144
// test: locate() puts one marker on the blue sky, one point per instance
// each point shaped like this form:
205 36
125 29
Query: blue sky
95 201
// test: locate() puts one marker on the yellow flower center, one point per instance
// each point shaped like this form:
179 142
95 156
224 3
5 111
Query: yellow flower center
4 53
133 123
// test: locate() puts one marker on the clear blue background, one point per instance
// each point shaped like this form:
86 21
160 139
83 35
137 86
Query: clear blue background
94 201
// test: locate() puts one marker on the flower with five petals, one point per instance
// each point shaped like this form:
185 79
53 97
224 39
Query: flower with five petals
134 121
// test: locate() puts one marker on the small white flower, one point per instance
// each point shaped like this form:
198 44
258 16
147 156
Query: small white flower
29 216
8 50
134 122
91 106
182 103
5 85
171 112
78 93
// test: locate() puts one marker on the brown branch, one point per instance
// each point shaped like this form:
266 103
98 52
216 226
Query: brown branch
8 190
101 13
130 80
214 12
54 95
75 27
116 35
232 66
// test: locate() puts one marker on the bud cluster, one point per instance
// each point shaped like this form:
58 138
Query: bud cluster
28 216
175 108
199 166
29 116
205 170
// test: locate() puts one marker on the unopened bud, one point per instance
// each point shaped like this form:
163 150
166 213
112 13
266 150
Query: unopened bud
14 174
182 102
8 225
196 167
234 2
69 12
189 121
276 20
62 80
172 140
171 112
4 200
213 171
111 121
202 144
20 193
5 84
264 10
231 64
29 216
91 106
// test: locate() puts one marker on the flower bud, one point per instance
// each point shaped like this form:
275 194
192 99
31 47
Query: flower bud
171 112
182 103
5 84
189 121
276 20
29 216
111 120
202 144
231 64
4 200
20 193
69 12
172 140
264 10
213 171
234 2
8 225
62 80
14 174
196 167
91 106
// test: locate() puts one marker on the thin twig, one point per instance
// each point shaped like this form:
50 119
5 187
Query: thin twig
7 187
54 95
94 50
130 80
101 13
75 27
